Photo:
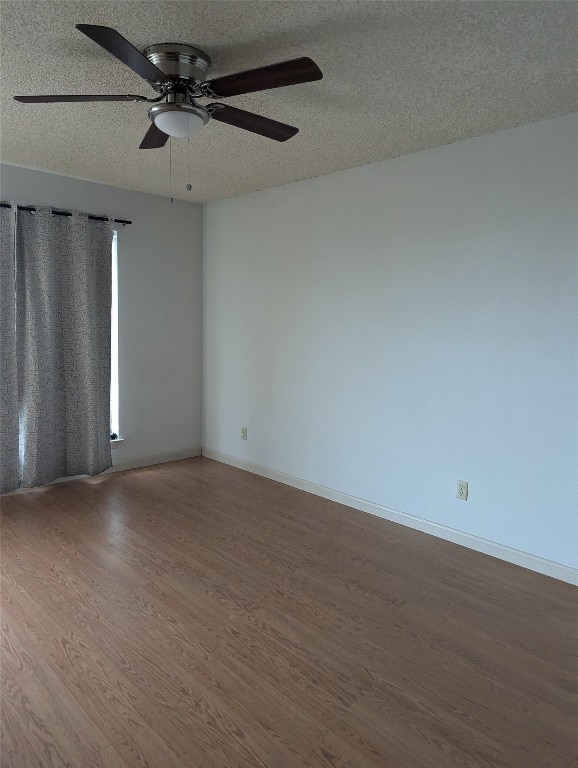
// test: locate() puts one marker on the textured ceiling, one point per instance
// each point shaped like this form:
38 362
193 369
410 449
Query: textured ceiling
399 77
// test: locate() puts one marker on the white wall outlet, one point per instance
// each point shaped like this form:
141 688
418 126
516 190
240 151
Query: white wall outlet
462 490
243 433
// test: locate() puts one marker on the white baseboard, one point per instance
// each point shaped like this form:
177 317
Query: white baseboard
515 556
159 458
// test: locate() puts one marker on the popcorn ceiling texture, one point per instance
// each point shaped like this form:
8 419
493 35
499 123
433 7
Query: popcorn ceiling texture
399 77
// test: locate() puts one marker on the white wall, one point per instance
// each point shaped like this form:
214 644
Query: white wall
387 330
160 308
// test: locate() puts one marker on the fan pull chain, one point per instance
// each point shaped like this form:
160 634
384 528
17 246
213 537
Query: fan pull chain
171 170
189 187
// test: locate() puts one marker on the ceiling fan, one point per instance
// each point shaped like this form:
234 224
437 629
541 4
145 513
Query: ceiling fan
177 72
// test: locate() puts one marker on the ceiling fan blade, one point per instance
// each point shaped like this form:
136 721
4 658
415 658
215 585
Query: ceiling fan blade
252 122
54 98
154 138
291 72
113 42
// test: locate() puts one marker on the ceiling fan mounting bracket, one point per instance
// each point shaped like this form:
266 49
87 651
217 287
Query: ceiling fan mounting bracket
179 62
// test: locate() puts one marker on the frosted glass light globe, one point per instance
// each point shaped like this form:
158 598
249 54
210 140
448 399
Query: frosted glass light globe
178 123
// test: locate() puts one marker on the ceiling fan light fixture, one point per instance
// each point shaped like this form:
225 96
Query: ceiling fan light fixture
178 71
178 120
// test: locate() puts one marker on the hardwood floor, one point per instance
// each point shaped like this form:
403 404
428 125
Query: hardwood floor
193 615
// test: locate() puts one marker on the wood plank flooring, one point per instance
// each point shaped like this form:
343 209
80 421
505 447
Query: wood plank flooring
191 615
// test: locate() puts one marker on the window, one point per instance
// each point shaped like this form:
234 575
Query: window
114 395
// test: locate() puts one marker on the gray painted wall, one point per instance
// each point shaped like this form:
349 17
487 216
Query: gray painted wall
388 330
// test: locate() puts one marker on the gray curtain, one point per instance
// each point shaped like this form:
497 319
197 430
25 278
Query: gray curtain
60 361
9 458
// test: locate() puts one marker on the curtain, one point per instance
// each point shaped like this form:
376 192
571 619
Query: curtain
59 376
9 459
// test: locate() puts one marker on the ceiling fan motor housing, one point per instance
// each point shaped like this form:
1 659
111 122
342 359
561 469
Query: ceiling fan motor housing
180 61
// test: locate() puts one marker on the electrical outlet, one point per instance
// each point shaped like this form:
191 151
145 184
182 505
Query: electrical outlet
243 433
462 490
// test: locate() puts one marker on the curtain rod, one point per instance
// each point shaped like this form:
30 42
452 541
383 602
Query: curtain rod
32 209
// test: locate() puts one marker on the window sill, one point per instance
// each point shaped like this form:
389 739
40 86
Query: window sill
116 441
